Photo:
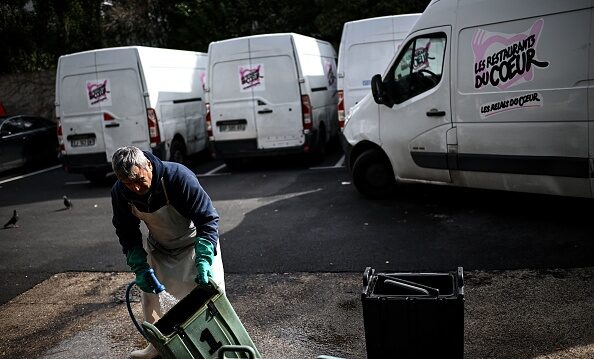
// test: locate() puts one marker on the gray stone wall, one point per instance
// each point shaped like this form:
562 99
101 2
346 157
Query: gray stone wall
29 93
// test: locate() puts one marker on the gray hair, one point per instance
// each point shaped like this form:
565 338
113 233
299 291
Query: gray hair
125 159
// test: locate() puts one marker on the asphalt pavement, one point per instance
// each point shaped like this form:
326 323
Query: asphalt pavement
534 314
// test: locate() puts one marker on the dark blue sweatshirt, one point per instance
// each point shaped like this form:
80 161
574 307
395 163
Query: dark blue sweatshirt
185 195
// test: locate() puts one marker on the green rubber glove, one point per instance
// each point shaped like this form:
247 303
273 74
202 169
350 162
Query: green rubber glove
136 259
204 257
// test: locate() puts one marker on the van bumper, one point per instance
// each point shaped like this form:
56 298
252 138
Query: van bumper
84 163
347 148
249 148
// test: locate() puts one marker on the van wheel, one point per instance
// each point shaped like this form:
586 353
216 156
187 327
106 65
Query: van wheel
321 141
234 163
177 152
372 174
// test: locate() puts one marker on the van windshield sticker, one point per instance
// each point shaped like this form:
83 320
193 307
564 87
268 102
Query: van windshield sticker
330 72
98 93
251 77
506 60
518 102
421 58
202 78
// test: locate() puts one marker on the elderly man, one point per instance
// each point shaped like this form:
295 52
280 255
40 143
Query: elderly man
182 246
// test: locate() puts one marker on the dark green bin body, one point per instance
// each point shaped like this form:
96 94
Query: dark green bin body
198 326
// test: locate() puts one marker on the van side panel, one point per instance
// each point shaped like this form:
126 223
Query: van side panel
317 62
174 81
366 48
521 100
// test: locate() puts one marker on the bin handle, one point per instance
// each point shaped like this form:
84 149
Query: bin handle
410 285
460 281
367 275
236 348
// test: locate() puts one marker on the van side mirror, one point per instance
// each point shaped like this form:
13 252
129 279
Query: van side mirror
378 90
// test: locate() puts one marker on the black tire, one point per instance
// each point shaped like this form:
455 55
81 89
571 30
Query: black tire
373 175
177 152
234 163
321 142
96 177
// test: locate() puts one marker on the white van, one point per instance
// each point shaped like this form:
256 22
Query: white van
486 94
366 47
151 98
270 94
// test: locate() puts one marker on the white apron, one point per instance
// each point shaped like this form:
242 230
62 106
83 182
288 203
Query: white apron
170 248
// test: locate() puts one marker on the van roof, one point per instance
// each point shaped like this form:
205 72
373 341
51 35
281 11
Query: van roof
379 18
147 48
471 13
280 43
374 29
279 34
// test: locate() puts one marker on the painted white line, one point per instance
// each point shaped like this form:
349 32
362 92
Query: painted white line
213 172
340 162
76 182
30 174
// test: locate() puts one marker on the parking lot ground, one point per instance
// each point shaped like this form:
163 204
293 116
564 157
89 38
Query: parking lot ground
534 314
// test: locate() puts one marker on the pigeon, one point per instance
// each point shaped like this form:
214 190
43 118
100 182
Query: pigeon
13 220
67 202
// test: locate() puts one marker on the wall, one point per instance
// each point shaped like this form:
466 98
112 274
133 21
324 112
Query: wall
29 93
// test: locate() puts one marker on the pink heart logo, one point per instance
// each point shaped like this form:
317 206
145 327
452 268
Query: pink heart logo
504 60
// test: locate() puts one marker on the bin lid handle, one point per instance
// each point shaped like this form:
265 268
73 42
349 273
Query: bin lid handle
367 274
423 289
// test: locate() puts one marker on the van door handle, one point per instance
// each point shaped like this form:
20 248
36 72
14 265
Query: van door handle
265 111
112 125
435 113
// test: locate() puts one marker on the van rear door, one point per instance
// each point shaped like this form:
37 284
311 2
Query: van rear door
276 96
231 100
80 116
123 109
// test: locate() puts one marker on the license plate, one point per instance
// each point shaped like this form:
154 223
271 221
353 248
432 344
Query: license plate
83 142
232 127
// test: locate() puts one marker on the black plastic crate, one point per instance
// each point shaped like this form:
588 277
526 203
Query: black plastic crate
413 315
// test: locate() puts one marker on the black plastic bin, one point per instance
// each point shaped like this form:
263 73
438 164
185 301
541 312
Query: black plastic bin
413 315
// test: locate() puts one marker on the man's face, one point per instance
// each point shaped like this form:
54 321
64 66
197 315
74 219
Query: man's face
142 182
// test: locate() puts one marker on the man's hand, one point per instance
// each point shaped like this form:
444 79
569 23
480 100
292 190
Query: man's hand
136 259
145 283
204 251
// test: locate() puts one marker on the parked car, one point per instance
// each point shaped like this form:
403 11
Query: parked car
26 140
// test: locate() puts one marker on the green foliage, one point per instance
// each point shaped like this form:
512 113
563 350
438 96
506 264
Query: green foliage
38 31
35 33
